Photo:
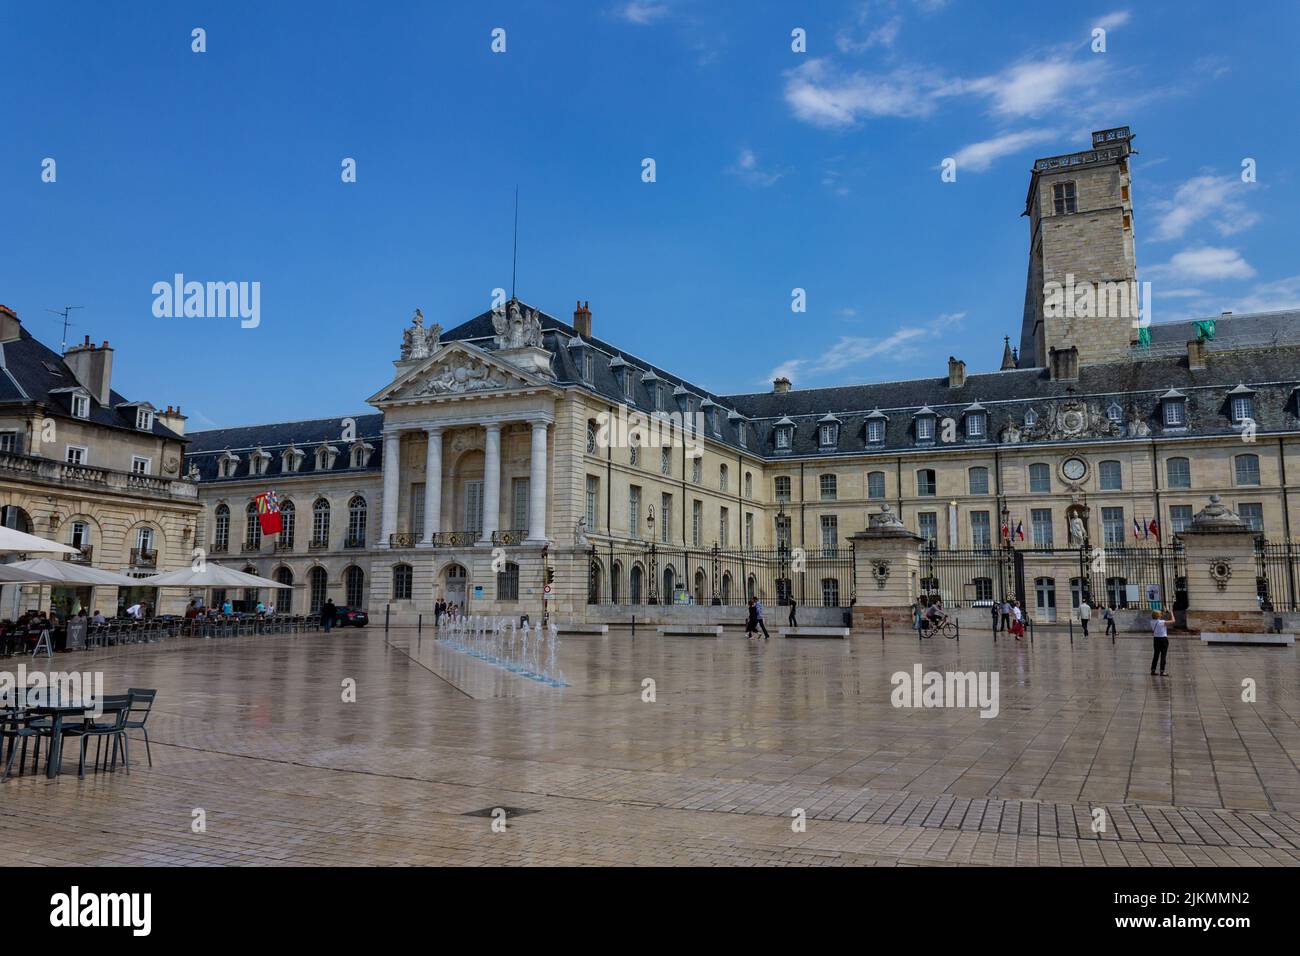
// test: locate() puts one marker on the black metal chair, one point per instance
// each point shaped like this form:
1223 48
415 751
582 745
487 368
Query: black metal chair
15 727
141 706
111 724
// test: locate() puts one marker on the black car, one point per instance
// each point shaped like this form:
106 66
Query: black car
350 617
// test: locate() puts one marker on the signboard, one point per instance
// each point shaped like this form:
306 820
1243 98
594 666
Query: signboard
478 592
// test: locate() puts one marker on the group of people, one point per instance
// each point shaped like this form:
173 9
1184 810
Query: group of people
754 620
445 609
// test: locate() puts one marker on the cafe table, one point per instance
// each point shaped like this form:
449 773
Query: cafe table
57 711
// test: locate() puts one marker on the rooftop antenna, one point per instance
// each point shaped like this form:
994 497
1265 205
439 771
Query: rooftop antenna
63 346
514 257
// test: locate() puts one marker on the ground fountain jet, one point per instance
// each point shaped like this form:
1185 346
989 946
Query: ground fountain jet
529 651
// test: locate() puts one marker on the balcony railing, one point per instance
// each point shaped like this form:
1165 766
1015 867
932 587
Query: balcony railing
251 547
509 537
82 556
282 545
455 539
354 542
62 473
144 558
318 544
219 547
403 539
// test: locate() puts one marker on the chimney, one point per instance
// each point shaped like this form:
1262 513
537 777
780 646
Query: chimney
781 385
93 368
956 372
173 419
1196 357
582 320
10 327
1064 364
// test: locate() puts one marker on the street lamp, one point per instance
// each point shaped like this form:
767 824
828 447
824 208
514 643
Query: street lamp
653 558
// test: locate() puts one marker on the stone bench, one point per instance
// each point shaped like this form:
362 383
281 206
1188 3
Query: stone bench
582 628
814 632
691 630
1239 637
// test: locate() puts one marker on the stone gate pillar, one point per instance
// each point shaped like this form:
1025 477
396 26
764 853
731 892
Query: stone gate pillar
1222 594
886 572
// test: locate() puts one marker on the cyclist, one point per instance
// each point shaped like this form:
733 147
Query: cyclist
934 614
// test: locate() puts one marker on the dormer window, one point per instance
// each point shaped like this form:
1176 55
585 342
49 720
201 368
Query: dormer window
629 382
144 419
1115 413
361 454
325 456
876 422
925 425
80 406
1175 408
783 434
291 459
259 462
227 464
588 366
828 432
1031 418
741 435
976 422
1241 405
661 397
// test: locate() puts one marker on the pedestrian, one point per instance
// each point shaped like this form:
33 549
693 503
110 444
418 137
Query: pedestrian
751 620
437 612
227 608
327 615
793 607
1006 614
758 613
993 610
1160 635
1017 620
1109 616
1085 614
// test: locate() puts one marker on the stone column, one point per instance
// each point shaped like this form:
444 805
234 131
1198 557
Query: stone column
392 484
886 571
432 487
491 481
1221 570
537 485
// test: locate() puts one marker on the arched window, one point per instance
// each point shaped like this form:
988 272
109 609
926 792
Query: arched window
615 583
401 582
354 587
701 584
252 529
722 477
284 598
634 586
749 485
1179 472
288 519
221 530
876 484
593 582
591 436
669 577
1246 468
356 522
318 583
508 582
320 523
726 587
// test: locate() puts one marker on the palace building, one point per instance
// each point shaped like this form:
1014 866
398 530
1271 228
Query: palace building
489 473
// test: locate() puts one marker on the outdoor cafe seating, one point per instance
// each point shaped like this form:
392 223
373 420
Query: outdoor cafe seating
42 719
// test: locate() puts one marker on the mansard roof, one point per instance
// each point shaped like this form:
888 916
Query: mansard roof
206 447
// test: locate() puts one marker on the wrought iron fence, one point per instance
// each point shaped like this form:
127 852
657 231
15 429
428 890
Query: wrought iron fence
663 574
1277 575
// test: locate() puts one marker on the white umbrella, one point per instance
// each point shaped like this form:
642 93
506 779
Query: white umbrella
68 572
19 542
212 575
11 575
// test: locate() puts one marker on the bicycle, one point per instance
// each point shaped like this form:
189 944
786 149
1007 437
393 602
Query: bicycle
947 627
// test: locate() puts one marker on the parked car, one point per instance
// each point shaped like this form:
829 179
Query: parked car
350 617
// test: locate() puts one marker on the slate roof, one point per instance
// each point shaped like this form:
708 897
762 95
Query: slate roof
30 372
207 446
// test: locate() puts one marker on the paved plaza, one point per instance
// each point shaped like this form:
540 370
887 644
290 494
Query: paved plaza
740 734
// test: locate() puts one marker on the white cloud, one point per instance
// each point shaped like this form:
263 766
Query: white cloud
1206 263
1112 20
884 35
643 12
748 170
1216 199
1032 88
1271 296
978 157
850 350
823 96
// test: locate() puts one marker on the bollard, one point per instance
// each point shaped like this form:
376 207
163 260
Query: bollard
1072 632
956 621
633 627
387 608
419 625
1031 630
882 627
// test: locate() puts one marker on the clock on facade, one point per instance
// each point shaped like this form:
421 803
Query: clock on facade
1074 469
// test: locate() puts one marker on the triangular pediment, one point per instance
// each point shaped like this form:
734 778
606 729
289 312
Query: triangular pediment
456 370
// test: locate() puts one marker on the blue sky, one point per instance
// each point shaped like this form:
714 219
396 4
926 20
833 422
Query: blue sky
775 170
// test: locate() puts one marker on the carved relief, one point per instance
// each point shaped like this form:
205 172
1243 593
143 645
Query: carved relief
880 572
469 375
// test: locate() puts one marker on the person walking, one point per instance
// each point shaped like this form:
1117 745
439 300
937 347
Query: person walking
1160 636
993 610
758 614
1006 615
1108 615
1017 620
1085 614
751 620
794 605
327 615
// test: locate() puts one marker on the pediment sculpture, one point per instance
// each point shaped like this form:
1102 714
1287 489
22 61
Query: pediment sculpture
517 327
468 375
419 342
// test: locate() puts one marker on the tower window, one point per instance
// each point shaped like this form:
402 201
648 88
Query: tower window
1063 198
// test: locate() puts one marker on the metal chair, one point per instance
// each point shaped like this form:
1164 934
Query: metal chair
14 726
138 710
116 707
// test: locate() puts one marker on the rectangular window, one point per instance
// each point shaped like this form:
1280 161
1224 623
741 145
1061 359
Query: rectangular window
830 534
140 465
416 508
830 592
979 529
634 511
76 455
783 438
876 432
665 518
697 523
741 436
975 426
783 532
927 525
697 469
876 484
1175 413
519 504
80 406
1112 525
828 487
724 526
1242 409
783 488
144 419
1179 471
925 483
1247 469
925 428
9 442
1040 478
1253 515
1180 518
1063 199
979 481
588 366
1040 521
593 498
474 507
1110 476
749 530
